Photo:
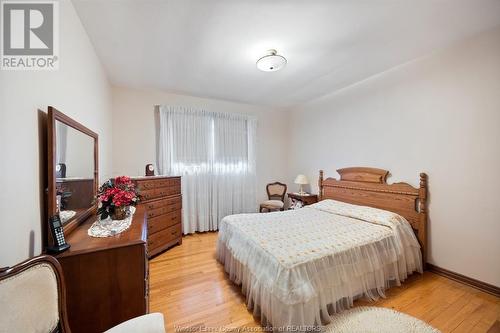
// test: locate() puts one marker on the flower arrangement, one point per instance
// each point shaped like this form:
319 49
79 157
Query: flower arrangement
115 197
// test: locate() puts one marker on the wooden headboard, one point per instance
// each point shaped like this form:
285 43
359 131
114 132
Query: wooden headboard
368 187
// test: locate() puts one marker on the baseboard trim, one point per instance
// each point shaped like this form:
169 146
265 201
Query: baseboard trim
483 286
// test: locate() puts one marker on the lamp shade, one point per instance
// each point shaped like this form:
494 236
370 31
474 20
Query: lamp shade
301 179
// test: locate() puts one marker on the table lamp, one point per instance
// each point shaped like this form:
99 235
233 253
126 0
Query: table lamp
301 180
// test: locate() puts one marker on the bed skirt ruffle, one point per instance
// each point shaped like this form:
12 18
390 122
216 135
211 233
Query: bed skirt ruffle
303 297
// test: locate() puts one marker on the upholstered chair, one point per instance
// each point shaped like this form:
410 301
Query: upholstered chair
276 197
33 299
150 323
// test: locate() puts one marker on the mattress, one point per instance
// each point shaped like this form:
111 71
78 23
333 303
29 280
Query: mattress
299 267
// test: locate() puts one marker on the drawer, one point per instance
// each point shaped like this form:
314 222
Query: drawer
164 236
163 210
171 190
158 223
153 194
177 201
157 183
151 184
174 186
146 184
156 204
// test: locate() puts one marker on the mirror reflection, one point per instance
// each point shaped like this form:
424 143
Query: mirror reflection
74 171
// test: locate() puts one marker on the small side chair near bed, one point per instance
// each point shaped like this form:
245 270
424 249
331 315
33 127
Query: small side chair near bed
299 267
276 194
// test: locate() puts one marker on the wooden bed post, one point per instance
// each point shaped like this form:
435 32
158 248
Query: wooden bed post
320 185
422 230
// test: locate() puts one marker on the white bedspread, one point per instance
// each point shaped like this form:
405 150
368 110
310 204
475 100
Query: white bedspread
298 267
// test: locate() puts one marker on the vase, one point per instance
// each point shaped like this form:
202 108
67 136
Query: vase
119 213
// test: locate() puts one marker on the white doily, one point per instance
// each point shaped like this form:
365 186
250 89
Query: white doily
66 215
109 227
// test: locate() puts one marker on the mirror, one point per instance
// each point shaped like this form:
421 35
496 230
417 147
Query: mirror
74 172
72 169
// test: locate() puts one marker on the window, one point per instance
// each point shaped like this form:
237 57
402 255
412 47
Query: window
215 155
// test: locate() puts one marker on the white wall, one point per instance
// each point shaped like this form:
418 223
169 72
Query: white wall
439 115
134 132
81 90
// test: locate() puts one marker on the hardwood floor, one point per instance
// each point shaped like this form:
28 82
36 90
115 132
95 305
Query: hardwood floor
190 288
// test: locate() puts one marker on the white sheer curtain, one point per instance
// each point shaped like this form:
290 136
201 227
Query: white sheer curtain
215 155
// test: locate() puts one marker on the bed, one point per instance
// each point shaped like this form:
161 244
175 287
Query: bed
299 267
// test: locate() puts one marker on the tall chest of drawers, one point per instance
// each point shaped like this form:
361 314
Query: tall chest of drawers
162 199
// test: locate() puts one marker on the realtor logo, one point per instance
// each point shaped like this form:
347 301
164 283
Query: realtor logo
30 35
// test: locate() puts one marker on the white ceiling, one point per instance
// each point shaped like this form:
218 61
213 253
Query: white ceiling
208 48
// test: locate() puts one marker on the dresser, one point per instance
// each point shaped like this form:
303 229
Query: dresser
162 200
83 186
107 279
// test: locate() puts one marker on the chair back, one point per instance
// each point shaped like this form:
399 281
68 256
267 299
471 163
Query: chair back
276 191
32 297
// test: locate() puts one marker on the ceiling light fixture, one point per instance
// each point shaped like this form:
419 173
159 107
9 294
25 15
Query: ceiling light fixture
271 62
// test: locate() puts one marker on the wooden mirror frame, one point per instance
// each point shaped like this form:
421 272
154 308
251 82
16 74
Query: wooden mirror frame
53 115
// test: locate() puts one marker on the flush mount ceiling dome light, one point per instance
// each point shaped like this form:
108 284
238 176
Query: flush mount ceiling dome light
271 62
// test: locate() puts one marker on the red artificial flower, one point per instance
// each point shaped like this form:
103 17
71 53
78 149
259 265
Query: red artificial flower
123 198
122 180
120 192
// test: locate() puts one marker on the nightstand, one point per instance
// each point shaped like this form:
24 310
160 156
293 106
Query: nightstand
302 199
